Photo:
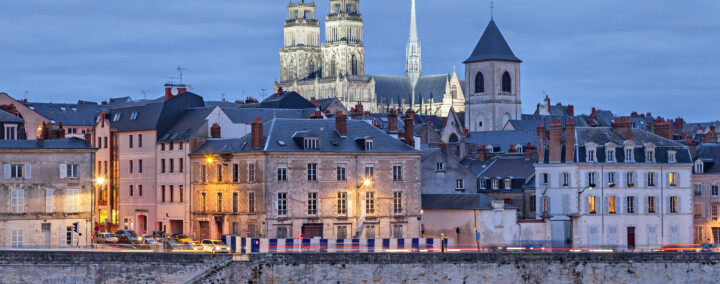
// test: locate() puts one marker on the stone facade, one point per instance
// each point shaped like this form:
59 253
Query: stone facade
492 108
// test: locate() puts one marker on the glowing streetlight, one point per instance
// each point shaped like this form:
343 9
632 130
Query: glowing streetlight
100 181
367 182
209 160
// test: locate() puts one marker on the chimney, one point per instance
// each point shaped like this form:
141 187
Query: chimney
530 151
556 135
392 120
465 132
663 129
313 101
341 124
280 91
172 90
215 131
357 112
623 126
409 128
547 101
482 153
256 136
542 136
593 113
513 149
571 110
88 138
104 103
44 132
570 141
376 124
61 132
316 114
711 138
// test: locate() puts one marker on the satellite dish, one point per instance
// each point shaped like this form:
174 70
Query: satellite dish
174 91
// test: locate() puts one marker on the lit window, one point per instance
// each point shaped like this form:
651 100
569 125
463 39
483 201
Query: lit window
342 203
673 204
651 204
611 204
672 179
591 205
698 210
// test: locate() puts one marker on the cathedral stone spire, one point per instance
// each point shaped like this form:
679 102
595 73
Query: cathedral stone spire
413 64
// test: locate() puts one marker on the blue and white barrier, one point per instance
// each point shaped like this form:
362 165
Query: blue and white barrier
253 245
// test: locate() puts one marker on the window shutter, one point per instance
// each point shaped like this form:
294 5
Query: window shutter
63 170
667 204
28 171
22 200
48 200
6 171
679 202
607 201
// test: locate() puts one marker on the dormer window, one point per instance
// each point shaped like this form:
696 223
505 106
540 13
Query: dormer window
63 108
495 184
133 116
369 144
610 153
650 156
671 157
508 184
74 109
699 167
483 184
312 143
590 156
440 167
629 157
117 116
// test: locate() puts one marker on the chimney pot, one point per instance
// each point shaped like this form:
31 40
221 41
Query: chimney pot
256 136
341 123
215 131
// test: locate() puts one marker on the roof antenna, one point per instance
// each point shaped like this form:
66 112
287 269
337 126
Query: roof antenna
492 7
180 70
144 94
26 92
263 93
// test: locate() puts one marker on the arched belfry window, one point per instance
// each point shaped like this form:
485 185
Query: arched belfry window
291 71
354 65
506 83
453 91
479 83
332 68
311 69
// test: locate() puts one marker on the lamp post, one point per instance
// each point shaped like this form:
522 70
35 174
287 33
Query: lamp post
99 182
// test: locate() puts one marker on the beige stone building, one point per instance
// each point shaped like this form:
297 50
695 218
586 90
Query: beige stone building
321 178
46 189
706 194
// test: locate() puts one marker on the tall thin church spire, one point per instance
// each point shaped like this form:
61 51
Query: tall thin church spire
413 64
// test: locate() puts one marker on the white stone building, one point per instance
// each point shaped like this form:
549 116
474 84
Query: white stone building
706 194
618 187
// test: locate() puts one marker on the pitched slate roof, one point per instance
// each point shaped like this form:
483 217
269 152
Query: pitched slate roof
502 139
248 115
223 104
68 114
501 167
279 136
710 155
65 143
395 89
431 87
7 117
604 135
286 100
492 46
187 125
473 201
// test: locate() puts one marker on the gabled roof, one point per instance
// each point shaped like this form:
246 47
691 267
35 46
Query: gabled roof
395 89
7 117
248 115
431 87
82 114
473 201
286 100
501 167
278 136
55 144
492 46
710 155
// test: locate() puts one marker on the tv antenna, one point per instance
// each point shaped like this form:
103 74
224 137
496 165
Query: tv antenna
222 95
180 70
263 90
144 94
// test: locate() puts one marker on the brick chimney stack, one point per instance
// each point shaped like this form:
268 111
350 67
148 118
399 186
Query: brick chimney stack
530 151
663 128
571 110
313 101
392 120
88 138
341 123
215 131
542 138
316 114
570 141
623 126
482 153
357 112
376 124
513 149
410 128
172 90
256 136
556 141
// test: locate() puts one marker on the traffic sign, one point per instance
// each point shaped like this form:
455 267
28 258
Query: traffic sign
477 236
97 229
247 232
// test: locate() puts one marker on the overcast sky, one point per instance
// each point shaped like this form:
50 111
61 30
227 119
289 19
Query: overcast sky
656 56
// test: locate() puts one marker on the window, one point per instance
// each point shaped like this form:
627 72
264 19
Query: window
172 165
593 236
172 193
591 179
397 202
652 235
312 143
162 192
565 179
459 184
282 172
610 156
673 204
369 231
369 171
629 179
105 142
671 157
130 141
131 190
612 237
251 202
369 145
17 201
699 168
17 238
312 172
495 184
140 190
479 83
131 166
650 156
370 203
140 166
282 204
630 204
181 191
341 170
672 179
219 173
220 202
651 204
139 140
698 210
342 203
72 200
312 203
133 116
17 171
440 167
698 234
49 200
162 165
482 184
203 173
611 179
590 156
342 232
117 116
71 171
282 232
591 205
714 190
714 212
162 146
235 173
172 145
698 190
181 164
533 206
545 178
506 83
650 179
251 172
10 132
397 231
546 204
629 155
507 184
203 202
397 172
611 204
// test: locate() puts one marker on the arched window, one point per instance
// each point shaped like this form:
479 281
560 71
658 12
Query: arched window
332 68
354 65
479 83
291 70
506 83
453 138
454 91
296 15
311 69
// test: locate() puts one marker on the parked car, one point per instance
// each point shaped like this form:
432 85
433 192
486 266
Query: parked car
105 238
150 241
173 245
159 235
193 246
710 248
180 238
215 246
128 237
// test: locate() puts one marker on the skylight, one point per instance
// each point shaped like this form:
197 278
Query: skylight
281 143
63 108
117 116
74 109
133 116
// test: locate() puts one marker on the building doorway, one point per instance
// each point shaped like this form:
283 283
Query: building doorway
142 224
46 234
716 235
310 231
204 230
219 225
176 226
631 238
